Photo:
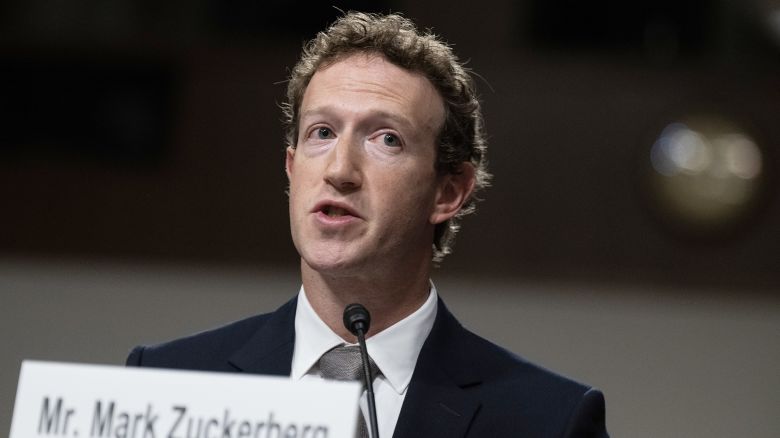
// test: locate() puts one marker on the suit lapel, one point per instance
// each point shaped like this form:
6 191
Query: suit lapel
270 349
437 403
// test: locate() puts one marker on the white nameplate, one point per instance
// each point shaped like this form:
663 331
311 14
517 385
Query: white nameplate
98 401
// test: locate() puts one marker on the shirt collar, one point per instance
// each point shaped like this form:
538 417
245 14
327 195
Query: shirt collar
312 338
394 350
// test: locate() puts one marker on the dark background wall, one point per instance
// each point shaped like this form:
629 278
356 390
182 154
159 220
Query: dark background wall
134 129
142 189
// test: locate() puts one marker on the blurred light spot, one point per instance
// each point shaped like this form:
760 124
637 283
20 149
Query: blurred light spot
706 171
680 149
742 157
773 20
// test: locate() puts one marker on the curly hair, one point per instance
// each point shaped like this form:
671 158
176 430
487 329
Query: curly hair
461 138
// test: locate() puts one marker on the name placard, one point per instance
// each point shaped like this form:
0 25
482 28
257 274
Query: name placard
99 401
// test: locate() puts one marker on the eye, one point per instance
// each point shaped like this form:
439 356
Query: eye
391 140
324 133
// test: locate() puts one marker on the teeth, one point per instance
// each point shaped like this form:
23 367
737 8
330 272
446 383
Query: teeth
335 211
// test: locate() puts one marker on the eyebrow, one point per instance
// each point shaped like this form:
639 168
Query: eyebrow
371 115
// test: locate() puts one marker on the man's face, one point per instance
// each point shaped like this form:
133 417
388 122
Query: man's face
364 192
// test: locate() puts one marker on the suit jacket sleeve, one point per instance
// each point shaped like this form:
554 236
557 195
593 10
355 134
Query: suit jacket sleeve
588 420
135 357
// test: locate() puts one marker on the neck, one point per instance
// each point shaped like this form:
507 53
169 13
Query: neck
388 299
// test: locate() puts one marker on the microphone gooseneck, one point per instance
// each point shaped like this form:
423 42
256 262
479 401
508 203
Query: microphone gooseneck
357 320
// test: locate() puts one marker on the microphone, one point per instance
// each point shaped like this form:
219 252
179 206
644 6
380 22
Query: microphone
357 320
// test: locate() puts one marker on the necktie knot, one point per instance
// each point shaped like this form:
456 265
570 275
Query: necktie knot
344 363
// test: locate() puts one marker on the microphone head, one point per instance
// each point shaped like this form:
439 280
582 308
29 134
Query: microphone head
357 318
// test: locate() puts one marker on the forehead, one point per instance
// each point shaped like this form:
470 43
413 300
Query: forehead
366 82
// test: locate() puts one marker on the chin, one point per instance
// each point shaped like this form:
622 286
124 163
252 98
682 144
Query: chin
332 263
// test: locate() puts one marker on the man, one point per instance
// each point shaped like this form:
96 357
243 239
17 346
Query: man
385 152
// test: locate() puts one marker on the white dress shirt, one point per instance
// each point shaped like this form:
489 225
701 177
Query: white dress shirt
394 351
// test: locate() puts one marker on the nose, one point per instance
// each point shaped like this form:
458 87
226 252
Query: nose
343 170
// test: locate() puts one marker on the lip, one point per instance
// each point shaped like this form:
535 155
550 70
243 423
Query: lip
349 216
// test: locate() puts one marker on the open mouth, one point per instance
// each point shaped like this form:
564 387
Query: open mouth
333 211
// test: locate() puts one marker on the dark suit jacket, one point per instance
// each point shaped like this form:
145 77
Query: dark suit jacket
462 386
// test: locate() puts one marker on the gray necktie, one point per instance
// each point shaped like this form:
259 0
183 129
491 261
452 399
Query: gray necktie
344 363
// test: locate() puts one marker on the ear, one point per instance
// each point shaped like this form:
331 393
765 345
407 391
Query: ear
454 189
288 161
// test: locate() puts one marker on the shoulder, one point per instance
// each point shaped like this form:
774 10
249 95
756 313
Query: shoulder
207 350
504 371
519 395
470 357
516 394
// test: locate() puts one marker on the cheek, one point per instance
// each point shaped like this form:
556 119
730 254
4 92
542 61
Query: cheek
410 196
297 199
303 175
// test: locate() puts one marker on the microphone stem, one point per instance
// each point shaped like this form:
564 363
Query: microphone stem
369 378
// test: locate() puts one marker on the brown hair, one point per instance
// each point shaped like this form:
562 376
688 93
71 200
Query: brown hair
396 38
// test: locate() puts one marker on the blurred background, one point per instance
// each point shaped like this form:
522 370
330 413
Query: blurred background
631 238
